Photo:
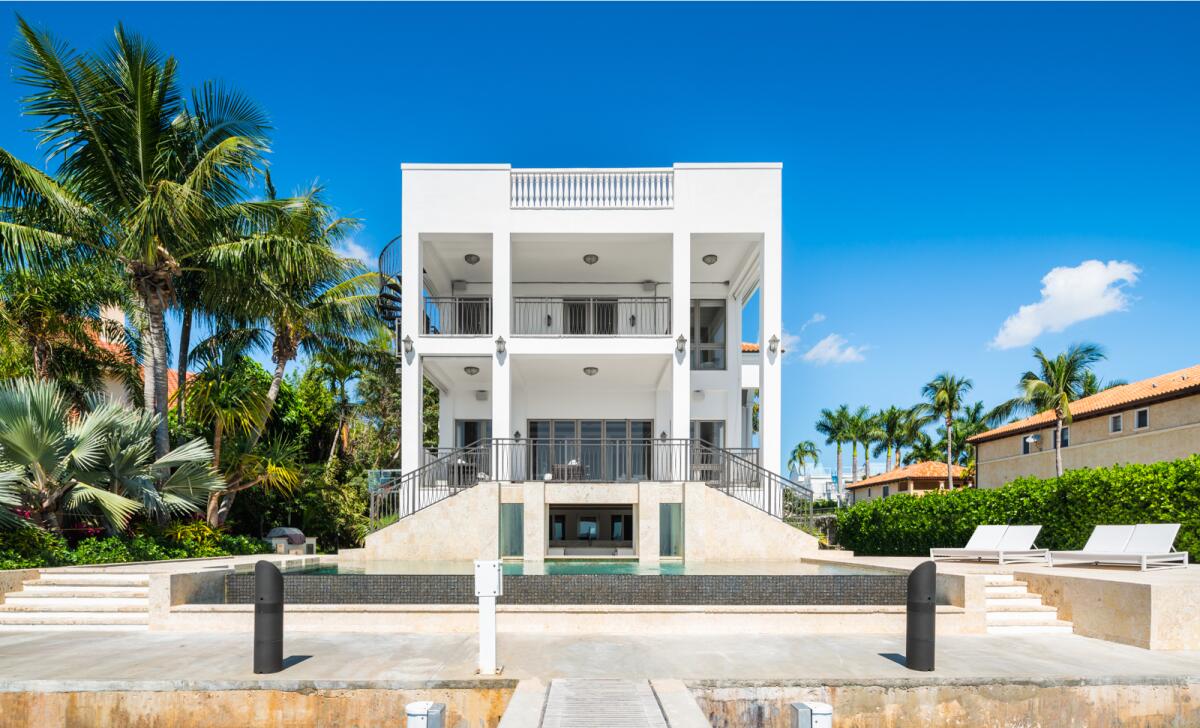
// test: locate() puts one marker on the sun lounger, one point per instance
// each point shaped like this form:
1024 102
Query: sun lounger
1002 544
1147 546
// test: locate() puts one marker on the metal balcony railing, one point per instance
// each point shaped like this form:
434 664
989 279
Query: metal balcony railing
457 316
591 316
591 189
577 460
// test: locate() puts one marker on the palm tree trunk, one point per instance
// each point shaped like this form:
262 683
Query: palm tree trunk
841 485
156 378
272 395
949 452
41 360
185 345
337 434
866 459
854 462
1058 425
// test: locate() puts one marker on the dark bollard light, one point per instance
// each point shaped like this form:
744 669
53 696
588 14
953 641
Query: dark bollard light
922 612
268 618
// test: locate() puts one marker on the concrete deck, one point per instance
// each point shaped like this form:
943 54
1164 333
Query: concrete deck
167 661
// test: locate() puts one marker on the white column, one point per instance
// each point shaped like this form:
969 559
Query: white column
770 324
681 317
502 425
411 376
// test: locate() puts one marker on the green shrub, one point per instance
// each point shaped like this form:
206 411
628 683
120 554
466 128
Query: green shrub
31 548
28 547
1067 508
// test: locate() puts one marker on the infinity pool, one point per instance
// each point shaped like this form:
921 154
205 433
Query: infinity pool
591 566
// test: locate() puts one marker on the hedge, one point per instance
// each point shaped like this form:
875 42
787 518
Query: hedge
31 548
1067 508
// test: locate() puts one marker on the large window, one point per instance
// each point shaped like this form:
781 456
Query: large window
591 450
708 334
711 432
469 432
670 529
512 529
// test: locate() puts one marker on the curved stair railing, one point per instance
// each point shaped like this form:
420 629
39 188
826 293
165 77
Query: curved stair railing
388 305
395 495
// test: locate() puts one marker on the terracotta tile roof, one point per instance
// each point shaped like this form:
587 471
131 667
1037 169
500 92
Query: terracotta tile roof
925 470
749 348
122 351
1164 386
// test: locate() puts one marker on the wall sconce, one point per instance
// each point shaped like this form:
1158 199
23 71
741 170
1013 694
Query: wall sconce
591 371
773 344
680 343
500 345
408 344
517 435
662 435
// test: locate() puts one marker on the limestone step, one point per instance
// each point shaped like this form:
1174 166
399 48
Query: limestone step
997 579
1016 587
57 590
88 618
1056 627
37 603
1038 616
74 627
1012 600
86 579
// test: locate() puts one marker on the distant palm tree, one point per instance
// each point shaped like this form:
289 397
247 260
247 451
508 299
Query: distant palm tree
891 424
1092 384
944 395
1057 383
860 429
803 453
835 426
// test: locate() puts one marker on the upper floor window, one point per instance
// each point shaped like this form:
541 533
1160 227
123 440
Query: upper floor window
1066 437
708 334
1115 424
1141 419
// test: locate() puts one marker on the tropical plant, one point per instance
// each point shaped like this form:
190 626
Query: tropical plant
1057 383
860 428
145 181
1093 384
94 464
804 452
944 398
890 424
835 426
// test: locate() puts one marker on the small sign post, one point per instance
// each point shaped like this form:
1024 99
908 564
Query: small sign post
489 584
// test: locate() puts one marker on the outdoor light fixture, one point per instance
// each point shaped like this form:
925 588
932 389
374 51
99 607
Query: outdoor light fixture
591 371
471 258
499 344
709 259
662 435
408 344
517 435
471 371
591 258
773 344
680 343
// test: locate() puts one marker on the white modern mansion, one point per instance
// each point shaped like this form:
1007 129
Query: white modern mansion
584 330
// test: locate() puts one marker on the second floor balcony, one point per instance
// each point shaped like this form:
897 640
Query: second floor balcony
591 316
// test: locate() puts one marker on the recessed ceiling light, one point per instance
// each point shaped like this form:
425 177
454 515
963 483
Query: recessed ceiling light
709 259
471 258
591 371
471 371
591 258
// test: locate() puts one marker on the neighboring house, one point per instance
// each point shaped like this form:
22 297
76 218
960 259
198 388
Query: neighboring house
115 387
584 330
916 479
1142 422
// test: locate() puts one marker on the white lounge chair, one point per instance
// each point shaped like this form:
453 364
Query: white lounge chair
1147 545
1002 544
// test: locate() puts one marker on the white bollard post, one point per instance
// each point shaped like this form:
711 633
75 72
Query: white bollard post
489 584
425 714
812 715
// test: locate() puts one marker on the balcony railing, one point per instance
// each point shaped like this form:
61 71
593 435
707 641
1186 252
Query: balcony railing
457 316
591 189
591 316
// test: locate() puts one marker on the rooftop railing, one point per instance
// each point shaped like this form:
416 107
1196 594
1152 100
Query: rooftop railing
591 189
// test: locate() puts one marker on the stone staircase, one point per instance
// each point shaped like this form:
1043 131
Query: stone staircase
1012 609
79 601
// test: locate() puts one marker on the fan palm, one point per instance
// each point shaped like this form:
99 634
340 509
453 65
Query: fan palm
100 462
145 178
1058 382
944 396
835 426
804 452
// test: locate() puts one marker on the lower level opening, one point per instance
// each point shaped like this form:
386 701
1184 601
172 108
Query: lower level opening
590 530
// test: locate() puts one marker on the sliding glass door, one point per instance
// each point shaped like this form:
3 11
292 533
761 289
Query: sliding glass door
591 450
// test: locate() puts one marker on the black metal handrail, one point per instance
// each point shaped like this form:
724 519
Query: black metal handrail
388 305
591 316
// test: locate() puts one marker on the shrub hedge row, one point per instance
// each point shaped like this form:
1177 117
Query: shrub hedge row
1066 507
31 548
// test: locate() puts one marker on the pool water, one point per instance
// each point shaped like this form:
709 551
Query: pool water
590 566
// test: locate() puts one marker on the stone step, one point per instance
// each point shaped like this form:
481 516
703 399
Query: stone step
74 627
55 590
1012 600
85 579
87 618
36 603
1039 616
1017 587
997 579
1056 627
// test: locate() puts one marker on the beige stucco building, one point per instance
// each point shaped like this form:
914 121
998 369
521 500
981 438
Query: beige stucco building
916 479
1148 421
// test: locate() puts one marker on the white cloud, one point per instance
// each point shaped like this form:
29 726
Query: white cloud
834 349
1069 295
816 318
351 249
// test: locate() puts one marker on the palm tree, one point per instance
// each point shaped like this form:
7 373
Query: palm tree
1057 383
891 429
835 426
859 427
944 398
804 452
1092 384
58 461
144 176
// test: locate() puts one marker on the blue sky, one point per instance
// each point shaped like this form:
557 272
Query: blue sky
939 160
